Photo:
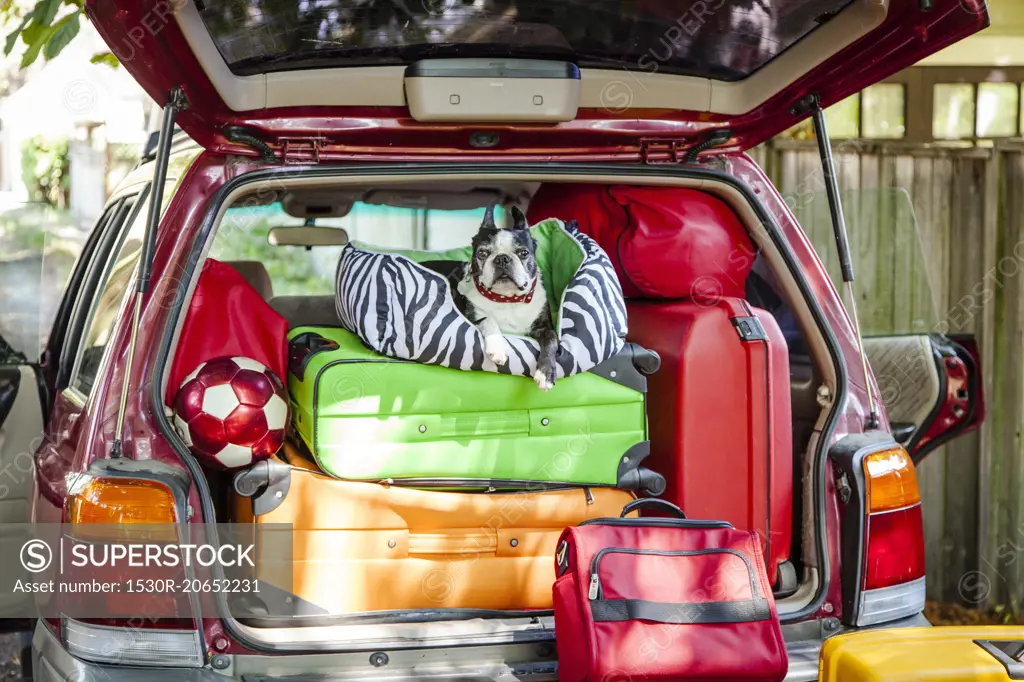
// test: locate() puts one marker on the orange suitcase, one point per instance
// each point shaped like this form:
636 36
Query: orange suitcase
365 547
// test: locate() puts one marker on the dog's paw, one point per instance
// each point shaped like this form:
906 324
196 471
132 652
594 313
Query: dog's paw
544 382
496 349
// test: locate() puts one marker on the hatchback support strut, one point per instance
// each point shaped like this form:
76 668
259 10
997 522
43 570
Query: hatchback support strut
812 103
175 103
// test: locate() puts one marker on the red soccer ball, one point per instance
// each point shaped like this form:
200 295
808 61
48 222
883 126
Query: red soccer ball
231 412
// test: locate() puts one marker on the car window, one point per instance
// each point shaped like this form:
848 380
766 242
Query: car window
724 39
117 276
895 294
39 245
298 271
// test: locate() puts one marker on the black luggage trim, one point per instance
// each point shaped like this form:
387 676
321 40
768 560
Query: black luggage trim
482 485
632 476
303 347
485 485
691 613
630 367
595 562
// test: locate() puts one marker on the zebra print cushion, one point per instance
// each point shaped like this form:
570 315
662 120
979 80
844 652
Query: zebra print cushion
402 310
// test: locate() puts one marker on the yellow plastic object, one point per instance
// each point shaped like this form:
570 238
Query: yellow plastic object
363 547
891 479
915 655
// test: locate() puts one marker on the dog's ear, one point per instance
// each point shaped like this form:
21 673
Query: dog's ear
518 219
488 223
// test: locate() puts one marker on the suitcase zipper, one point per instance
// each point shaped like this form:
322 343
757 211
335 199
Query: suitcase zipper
481 485
594 592
595 586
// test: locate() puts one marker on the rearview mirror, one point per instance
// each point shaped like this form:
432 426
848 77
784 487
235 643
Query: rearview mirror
307 236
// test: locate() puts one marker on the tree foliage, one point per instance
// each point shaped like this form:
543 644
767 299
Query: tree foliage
45 28
45 170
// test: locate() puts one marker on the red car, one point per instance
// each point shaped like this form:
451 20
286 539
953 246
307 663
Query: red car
344 107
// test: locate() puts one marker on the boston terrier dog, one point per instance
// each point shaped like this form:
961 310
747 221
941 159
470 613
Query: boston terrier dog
501 291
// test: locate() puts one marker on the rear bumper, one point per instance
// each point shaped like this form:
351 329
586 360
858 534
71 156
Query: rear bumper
52 663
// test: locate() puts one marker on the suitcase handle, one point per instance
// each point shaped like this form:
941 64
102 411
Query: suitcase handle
660 505
303 347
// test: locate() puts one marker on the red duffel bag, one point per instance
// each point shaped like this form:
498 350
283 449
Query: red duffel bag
227 316
665 242
664 599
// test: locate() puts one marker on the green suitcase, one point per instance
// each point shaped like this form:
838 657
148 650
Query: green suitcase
367 417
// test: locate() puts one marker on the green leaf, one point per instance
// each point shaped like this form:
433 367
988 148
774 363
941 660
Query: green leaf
63 33
105 58
11 40
13 37
45 12
32 32
41 17
32 53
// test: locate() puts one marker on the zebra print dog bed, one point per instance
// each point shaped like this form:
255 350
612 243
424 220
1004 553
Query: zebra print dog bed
403 310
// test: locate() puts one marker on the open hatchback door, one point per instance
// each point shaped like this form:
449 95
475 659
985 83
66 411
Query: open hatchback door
301 82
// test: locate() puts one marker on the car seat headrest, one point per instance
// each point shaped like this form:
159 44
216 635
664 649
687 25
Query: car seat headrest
255 273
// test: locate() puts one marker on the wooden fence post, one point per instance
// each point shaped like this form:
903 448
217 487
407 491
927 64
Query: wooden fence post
1003 559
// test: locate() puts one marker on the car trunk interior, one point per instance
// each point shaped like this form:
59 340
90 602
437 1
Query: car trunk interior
438 212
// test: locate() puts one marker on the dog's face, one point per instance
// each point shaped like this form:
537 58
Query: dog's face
504 260
752 25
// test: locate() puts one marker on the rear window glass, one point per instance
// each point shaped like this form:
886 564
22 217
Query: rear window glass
720 39
298 271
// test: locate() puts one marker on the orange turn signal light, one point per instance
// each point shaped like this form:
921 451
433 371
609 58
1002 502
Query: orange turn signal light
891 480
121 501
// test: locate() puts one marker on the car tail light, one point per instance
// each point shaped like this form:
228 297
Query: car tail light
116 509
892 581
121 501
130 644
891 480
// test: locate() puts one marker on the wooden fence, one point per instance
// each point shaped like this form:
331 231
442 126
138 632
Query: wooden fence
938 243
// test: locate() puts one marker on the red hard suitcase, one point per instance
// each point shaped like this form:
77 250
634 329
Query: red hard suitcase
719 414
718 410
664 599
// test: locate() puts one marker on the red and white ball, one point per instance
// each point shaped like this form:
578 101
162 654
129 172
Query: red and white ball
232 411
